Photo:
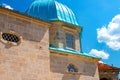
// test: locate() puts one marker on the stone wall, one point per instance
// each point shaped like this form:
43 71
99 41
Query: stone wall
31 58
58 37
58 66
109 74
28 60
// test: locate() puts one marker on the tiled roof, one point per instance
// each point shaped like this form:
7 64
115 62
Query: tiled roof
102 66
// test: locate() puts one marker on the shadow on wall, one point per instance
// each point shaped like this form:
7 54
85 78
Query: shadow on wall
71 77
28 30
103 79
90 68
58 66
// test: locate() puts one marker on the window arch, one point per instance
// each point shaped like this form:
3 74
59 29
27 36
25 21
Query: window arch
72 68
103 79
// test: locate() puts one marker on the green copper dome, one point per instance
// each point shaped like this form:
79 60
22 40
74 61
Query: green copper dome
51 10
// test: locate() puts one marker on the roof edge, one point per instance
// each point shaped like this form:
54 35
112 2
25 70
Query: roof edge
23 16
66 23
67 51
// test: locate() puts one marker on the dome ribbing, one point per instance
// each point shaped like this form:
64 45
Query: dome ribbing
51 10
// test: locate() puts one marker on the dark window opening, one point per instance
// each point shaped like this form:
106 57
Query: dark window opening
72 68
103 79
70 41
10 37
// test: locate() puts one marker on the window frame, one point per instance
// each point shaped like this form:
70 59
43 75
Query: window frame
68 43
77 73
10 42
73 67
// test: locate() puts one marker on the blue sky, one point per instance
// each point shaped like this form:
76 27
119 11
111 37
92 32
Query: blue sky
100 20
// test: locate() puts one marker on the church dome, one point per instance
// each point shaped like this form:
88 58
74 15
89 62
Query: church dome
52 10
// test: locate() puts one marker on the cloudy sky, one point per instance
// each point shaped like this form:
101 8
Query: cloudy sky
100 20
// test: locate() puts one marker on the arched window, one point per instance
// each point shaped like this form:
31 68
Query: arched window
72 68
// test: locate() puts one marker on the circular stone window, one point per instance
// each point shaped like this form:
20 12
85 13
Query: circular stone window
10 38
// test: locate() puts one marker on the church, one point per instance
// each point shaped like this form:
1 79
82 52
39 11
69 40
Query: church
43 43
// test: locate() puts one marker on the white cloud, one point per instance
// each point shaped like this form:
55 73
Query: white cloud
110 34
7 6
101 62
101 54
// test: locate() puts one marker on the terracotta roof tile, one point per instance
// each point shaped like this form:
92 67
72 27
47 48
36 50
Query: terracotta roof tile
102 66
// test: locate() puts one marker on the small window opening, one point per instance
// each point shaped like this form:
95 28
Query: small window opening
10 37
72 68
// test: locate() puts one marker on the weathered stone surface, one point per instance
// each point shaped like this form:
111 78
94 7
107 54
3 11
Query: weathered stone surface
58 37
30 59
58 67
